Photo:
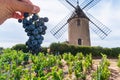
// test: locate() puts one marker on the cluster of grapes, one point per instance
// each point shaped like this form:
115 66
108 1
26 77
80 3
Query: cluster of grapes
35 28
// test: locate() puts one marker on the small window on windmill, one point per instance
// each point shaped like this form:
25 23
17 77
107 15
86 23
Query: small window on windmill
79 41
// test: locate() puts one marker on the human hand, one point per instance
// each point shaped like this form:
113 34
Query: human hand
10 9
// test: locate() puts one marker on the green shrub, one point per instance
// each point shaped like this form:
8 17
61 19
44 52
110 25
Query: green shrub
59 47
1 50
21 47
96 51
115 52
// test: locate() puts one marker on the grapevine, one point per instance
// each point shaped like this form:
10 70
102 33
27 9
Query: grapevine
50 67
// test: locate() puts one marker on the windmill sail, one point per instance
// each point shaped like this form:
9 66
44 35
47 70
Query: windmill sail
60 28
73 2
87 4
101 30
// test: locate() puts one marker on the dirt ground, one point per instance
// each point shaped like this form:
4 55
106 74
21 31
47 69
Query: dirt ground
115 71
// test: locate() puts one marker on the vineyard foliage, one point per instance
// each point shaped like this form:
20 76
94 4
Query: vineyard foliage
16 65
103 72
118 61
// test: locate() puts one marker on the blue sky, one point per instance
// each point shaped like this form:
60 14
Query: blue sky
106 11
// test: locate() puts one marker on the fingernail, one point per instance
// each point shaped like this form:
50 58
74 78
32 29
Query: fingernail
36 9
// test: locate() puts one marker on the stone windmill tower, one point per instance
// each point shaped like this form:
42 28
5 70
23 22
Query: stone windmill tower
78 29
79 22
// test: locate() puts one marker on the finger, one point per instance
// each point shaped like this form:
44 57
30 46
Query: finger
17 15
26 7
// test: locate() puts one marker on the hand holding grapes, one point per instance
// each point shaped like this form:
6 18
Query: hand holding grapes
10 9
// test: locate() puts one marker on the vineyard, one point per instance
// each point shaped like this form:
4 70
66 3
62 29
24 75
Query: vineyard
16 65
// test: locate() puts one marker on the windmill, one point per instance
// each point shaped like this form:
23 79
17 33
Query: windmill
79 21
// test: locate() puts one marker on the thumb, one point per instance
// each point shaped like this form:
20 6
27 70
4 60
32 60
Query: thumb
26 7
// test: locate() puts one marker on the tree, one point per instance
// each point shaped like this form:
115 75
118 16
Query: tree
21 47
1 48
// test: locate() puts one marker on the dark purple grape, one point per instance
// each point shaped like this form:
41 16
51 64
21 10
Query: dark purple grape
38 37
37 46
26 30
46 19
29 34
39 29
44 28
43 33
32 38
40 23
34 42
41 19
35 17
35 32
25 21
26 15
20 20
31 21
32 27
24 26
40 41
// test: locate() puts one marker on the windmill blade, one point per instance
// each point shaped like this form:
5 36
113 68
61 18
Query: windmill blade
101 30
59 31
60 28
65 3
87 4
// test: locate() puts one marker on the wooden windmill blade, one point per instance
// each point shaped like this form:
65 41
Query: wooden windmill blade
100 29
60 28
65 3
87 4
